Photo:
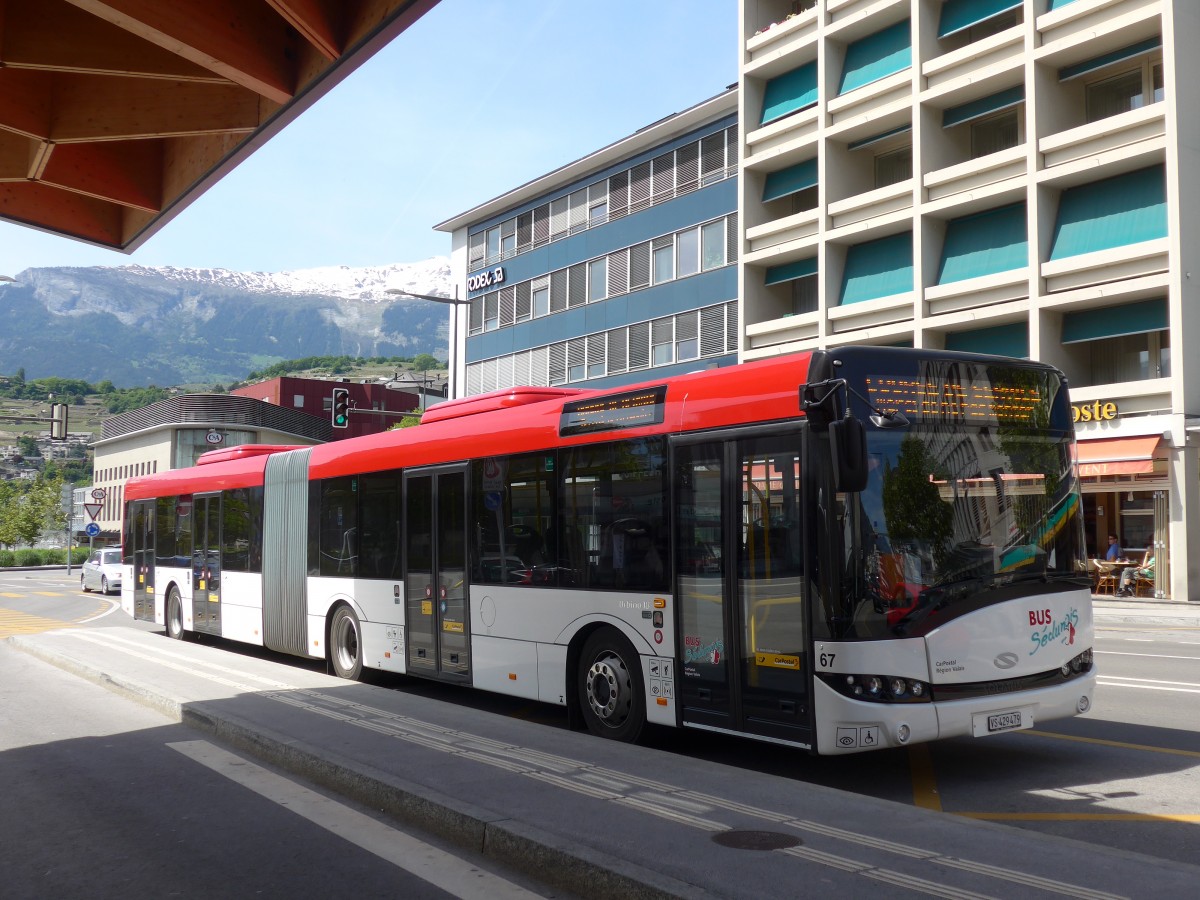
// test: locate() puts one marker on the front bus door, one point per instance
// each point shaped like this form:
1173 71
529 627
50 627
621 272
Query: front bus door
744 639
141 556
436 604
206 563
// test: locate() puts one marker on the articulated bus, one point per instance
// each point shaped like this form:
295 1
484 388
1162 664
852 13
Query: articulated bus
838 550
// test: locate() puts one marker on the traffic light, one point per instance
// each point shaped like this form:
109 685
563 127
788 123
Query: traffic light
341 408
58 422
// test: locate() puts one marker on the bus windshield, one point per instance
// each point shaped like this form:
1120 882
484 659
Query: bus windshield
975 496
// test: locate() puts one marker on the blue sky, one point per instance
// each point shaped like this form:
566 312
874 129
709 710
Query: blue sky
476 98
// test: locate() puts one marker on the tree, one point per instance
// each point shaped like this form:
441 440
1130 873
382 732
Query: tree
423 362
28 447
27 508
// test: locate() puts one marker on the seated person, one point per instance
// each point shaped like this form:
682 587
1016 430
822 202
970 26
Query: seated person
1130 575
1114 549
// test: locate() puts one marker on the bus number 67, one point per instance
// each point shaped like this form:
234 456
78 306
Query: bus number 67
826 660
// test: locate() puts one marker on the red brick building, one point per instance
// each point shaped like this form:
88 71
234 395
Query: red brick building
315 397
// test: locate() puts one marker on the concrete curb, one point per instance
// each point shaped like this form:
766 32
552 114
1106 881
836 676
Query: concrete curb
513 843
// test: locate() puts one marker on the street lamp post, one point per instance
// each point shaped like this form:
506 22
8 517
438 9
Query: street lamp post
454 345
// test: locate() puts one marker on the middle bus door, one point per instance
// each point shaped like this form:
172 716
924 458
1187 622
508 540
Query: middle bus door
437 610
206 563
744 637
141 535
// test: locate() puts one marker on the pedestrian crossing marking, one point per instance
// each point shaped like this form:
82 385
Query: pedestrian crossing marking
13 622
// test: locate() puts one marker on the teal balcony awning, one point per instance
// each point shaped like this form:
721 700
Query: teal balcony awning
1116 321
1091 65
790 92
1127 209
985 243
878 268
984 106
791 271
876 138
959 15
876 56
999 340
791 180
1058 4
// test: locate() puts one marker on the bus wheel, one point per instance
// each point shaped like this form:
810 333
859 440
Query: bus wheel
175 615
610 687
345 644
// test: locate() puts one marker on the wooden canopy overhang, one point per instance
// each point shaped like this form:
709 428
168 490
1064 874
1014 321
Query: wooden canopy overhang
116 114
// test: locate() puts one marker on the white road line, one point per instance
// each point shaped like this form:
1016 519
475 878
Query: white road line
1156 686
1145 655
116 604
441 869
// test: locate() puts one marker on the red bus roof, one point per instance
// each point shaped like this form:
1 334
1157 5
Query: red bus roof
516 420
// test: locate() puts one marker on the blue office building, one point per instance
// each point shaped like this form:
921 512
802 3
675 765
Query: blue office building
616 268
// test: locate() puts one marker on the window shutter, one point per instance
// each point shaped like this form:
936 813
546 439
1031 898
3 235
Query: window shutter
712 158
524 231
576 355
618 195
477 244
524 309
639 187
556 366
504 372
520 368
712 331
491 308
474 378
558 218
639 266
488 375
577 215
597 350
475 318
508 302
618 351
541 225
732 337
577 285
731 238
687 168
639 346
731 151
558 291
618 273
539 363
663 177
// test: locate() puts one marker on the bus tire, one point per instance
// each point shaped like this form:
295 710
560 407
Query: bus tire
611 696
174 614
345 644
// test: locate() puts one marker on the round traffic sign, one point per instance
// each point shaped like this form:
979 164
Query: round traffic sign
92 529
99 493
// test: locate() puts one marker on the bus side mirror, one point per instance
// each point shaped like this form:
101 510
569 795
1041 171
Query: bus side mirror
848 449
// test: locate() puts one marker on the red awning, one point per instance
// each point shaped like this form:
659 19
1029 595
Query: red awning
1118 456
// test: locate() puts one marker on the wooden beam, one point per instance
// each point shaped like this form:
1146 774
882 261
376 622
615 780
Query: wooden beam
61 212
245 42
124 172
95 108
318 21
53 35
16 151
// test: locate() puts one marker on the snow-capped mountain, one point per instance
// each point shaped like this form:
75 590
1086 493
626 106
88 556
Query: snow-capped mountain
139 325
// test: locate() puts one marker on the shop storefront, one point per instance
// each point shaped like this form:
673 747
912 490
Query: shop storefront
1126 491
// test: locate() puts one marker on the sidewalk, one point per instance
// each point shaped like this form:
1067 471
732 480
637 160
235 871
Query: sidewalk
1107 608
594 817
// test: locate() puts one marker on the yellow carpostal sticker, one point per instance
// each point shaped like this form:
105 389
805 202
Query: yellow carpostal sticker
455 627
427 607
777 661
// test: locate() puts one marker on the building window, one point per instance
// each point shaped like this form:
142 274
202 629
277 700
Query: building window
597 214
1131 89
1134 357
298 401
687 253
541 301
664 263
893 166
598 279
662 341
712 245
804 295
995 133
493 243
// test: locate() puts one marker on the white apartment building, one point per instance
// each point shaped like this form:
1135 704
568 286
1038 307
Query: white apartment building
1007 176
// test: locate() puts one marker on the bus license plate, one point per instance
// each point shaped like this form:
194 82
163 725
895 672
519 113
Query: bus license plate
984 724
1004 721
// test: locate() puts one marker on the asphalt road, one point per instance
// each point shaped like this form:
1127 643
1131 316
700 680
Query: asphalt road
1123 776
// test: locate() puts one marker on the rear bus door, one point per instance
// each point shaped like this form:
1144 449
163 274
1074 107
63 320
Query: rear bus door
437 608
141 553
744 655
206 563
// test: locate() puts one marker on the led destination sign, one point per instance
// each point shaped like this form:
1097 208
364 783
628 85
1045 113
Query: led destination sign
979 402
631 409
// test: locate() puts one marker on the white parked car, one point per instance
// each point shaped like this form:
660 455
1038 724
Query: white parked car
102 571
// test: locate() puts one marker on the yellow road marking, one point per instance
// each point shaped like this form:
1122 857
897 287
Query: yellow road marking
1079 817
1194 754
49 593
925 792
12 622
14 596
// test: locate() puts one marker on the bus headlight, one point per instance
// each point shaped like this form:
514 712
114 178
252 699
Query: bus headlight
878 688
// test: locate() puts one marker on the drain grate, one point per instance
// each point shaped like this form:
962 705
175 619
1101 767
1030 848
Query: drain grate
756 840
